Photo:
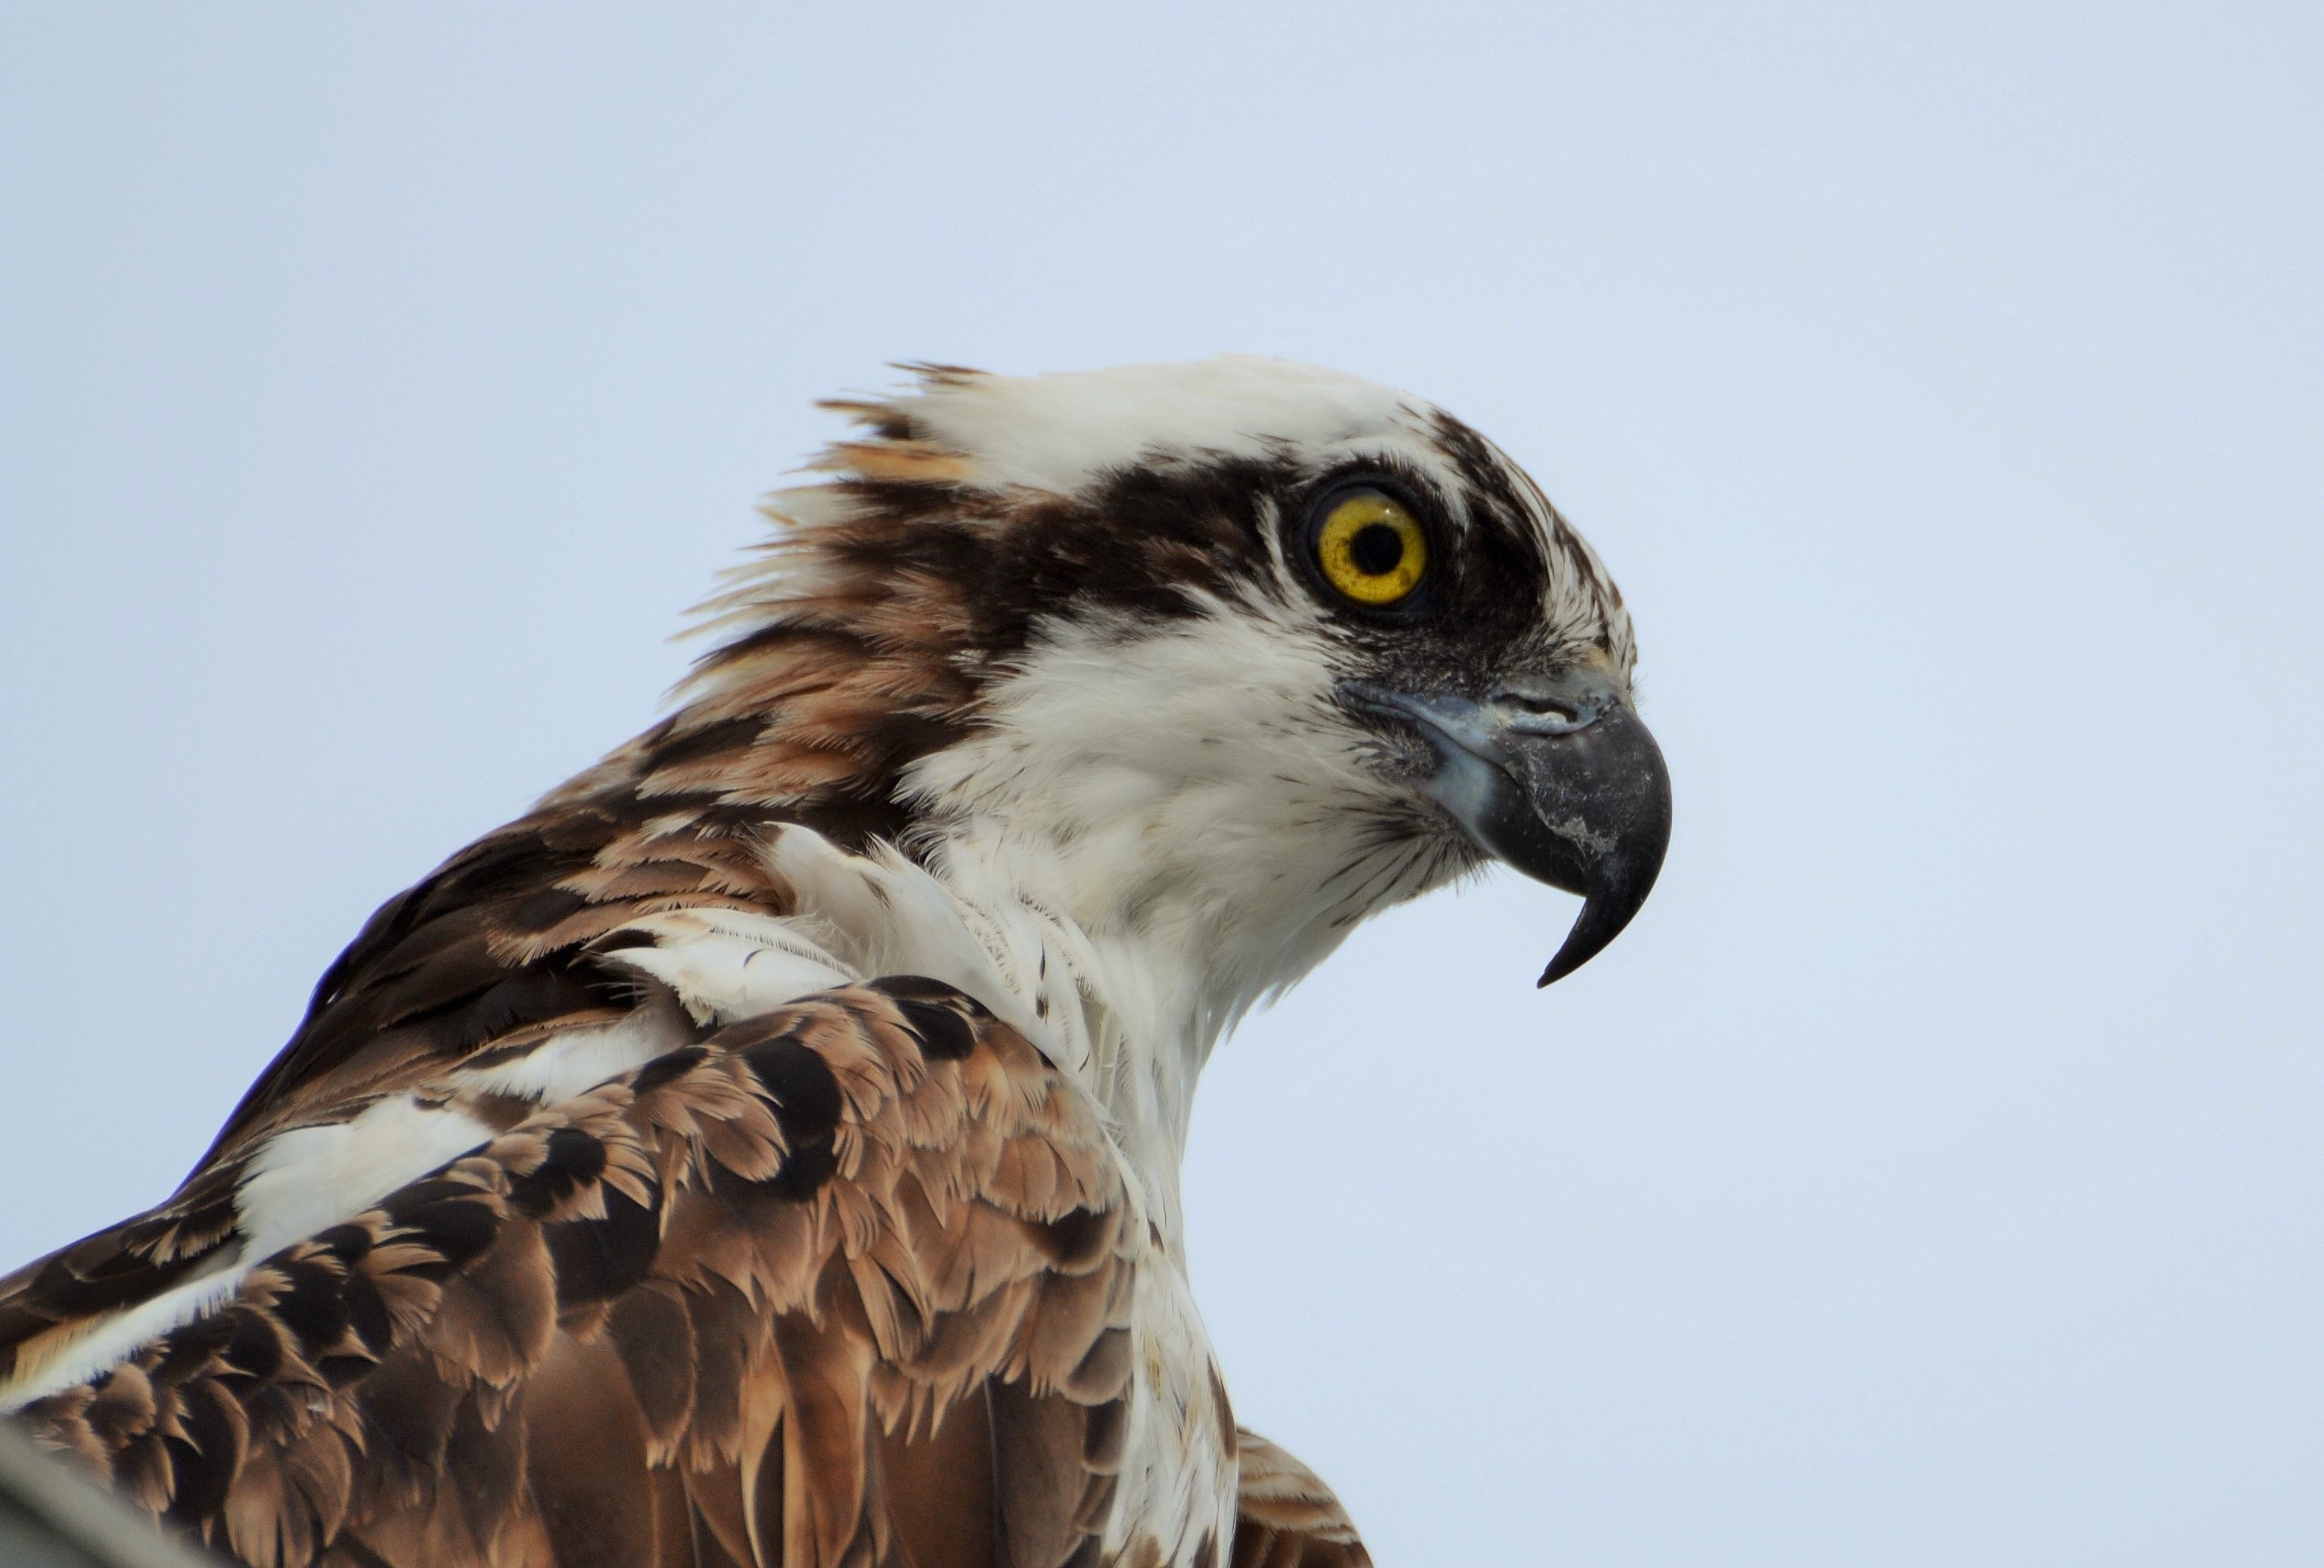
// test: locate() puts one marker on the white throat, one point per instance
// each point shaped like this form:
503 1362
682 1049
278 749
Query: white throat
1148 851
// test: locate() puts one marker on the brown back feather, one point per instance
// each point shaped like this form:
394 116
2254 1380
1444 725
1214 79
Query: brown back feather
847 1284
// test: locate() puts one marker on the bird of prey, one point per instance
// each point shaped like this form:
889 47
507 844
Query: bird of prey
766 1151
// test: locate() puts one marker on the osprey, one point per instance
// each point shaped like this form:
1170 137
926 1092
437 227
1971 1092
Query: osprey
767 1151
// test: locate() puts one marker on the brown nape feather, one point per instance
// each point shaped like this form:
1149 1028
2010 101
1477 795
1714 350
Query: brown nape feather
846 1284
498 940
500 947
1286 1518
810 718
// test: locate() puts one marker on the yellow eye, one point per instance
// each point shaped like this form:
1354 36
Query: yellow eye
1371 549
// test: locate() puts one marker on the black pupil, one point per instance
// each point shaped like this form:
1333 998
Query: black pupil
1376 549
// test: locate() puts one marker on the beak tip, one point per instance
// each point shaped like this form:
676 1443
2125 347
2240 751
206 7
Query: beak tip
1569 957
1606 912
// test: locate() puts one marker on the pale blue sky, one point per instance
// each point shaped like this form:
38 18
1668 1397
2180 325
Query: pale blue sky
1931 1176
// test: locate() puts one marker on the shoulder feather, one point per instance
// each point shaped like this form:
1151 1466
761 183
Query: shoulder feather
810 1292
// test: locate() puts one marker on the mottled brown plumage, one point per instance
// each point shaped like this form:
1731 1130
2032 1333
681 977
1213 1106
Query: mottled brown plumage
742 1305
726 1304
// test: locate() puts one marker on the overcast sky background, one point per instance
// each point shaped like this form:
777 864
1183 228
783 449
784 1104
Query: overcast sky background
1933 1175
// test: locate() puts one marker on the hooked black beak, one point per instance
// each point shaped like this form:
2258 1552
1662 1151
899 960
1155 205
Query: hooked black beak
1559 778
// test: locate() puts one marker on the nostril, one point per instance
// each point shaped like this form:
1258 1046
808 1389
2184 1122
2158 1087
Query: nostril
1537 702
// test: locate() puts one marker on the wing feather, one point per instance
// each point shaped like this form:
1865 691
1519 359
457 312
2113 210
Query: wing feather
1286 1518
785 1297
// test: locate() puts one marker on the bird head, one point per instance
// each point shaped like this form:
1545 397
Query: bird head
1232 653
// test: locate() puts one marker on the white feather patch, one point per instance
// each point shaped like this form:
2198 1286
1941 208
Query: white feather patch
301 1181
884 916
578 1060
112 1340
1064 431
310 1178
725 964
